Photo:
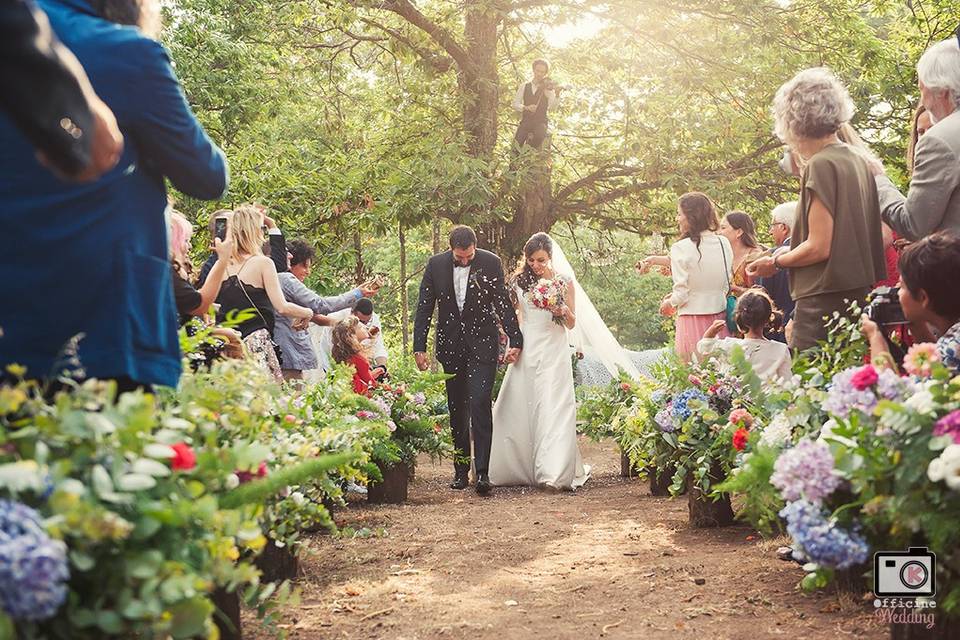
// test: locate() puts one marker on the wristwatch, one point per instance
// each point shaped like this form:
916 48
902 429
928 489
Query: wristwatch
776 261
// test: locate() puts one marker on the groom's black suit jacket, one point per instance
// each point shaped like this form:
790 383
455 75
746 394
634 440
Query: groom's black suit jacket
475 328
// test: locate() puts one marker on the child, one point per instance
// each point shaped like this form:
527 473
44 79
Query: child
755 312
347 338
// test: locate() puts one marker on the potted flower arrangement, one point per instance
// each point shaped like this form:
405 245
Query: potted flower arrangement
416 426
612 411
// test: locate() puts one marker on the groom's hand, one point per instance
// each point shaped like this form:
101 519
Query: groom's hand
423 361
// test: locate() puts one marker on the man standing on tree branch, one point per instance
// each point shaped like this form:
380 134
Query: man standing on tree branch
533 100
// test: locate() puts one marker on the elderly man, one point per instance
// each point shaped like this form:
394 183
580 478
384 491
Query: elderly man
933 202
365 313
778 285
295 346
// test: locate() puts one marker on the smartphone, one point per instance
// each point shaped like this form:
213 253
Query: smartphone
220 228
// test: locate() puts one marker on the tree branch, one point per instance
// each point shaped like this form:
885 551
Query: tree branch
446 40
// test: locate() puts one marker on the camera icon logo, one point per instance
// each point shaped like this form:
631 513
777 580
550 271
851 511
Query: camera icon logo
906 575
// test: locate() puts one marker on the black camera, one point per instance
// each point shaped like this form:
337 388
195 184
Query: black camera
884 307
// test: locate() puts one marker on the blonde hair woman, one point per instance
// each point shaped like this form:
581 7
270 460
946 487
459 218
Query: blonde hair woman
250 282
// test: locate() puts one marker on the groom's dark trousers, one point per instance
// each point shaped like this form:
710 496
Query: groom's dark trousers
469 396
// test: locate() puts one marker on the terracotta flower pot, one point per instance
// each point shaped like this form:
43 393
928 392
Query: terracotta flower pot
627 470
660 480
393 489
277 564
706 512
227 615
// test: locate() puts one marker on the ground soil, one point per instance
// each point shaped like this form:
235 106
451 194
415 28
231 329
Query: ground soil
608 561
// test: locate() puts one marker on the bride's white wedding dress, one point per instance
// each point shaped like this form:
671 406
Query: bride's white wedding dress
534 418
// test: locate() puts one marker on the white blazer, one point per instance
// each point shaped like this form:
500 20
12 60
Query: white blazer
700 282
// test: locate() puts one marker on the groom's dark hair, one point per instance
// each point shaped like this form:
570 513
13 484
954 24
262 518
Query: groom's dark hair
462 237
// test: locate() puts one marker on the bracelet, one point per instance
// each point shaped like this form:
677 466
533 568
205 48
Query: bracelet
776 261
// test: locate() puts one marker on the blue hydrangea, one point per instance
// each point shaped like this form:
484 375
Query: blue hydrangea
823 541
681 408
33 567
659 397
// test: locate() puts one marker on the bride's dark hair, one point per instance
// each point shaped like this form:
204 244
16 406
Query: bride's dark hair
524 277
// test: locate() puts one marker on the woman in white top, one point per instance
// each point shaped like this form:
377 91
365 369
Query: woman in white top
700 263
754 314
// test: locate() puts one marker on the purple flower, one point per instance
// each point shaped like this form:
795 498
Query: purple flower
33 567
419 398
949 425
843 396
664 419
823 541
805 471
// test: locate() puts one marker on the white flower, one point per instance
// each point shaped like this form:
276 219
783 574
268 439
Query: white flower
935 470
298 498
921 402
946 467
232 481
777 433
826 431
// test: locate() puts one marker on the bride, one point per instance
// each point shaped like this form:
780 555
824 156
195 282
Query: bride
534 418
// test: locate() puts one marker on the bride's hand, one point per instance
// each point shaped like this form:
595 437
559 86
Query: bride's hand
560 311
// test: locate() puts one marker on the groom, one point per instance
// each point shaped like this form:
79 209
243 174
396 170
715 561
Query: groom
467 285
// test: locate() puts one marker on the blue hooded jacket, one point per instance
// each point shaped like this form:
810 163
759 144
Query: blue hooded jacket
92 259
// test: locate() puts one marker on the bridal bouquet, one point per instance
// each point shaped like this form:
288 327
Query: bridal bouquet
548 295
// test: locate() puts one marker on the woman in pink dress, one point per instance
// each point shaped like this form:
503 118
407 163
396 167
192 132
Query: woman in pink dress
701 266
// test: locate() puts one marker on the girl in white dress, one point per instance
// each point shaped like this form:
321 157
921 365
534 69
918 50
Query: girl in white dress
754 314
534 418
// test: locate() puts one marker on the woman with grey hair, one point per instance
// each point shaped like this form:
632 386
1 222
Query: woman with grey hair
838 207
933 202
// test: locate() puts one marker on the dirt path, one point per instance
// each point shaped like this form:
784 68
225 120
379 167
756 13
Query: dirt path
607 562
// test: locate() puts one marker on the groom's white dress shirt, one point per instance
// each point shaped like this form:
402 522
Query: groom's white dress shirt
461 276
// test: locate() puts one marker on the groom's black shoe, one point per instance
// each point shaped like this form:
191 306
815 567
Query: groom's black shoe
460 482
483 485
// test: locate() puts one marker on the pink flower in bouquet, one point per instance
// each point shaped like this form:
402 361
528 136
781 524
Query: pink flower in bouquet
920 359
289 418
864 378
366 415
625 386
741 417
694 380
184 458
740 437
949 425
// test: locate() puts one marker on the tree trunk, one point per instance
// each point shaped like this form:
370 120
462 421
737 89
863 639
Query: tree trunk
533 209
404 308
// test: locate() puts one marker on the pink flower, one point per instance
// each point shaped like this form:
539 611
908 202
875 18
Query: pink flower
262 470
289 419
949 425
741 417
694 380
864 378
184 458
625 386
740 437
920 359
366 415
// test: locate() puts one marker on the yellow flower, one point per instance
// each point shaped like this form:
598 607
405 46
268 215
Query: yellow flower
16 370
257 543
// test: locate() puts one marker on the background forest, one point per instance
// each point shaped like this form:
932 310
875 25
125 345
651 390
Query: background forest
371 126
